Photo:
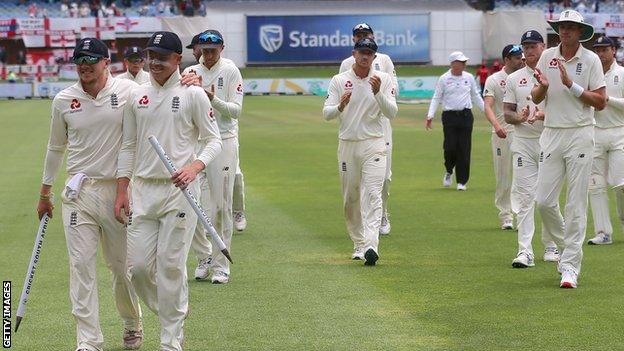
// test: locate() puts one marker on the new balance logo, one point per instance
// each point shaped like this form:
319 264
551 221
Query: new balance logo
181 215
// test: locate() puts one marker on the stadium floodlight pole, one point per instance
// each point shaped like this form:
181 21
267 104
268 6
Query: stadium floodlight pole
191 199
32 266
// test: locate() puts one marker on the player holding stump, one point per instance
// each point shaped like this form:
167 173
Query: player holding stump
86 121
608 165
134 61
381 63
570 81
358 98
527 119
163 222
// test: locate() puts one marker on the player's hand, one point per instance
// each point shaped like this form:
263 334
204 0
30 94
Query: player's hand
541 78
375 83
122 207
191 78
500 132
344 100
45 206
185 175
210 93
525 114
538 115
428 123
564 74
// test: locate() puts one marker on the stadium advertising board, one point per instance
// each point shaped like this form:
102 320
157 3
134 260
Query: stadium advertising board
317 39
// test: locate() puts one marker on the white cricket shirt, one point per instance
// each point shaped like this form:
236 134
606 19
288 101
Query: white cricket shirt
564 110
613 115
89 128
382 63
456 93
178 116
495 87
141 78
518 91
360 119
225 78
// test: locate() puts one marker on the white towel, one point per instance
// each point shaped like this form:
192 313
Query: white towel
73 186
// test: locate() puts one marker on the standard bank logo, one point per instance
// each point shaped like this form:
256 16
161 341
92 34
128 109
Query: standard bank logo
271 37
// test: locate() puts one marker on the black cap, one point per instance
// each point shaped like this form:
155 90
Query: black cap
365 44
133 51
210 38
194 41
362 27
164 43
604 41
511 50
531 36
90 47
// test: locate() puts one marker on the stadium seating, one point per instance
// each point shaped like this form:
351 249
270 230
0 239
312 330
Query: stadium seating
609 6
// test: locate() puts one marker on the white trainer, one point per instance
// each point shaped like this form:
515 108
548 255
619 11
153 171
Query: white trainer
358 253
240 221
203 268
568 279
507 224
219 277
461 187
523 260
551 254
446 181
600 239
384 228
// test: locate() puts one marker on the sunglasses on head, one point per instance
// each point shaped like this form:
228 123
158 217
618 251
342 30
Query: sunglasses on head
516 49
210 38
89 60
362 26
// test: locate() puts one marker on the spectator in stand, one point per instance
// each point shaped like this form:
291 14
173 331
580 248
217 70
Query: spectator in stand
85 10
65 8
199 8
496 66
188 9
482 74
73 10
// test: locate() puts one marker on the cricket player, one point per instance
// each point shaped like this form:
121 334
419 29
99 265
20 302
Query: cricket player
456 90
502 132
570 81
359 98
608 165
161 228
133 59
196 51
86 121
223 85
382 63
527 119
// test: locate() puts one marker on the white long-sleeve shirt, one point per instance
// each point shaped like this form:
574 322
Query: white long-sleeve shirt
613 115
88 128
141 78
226 80
456 93
178 116
361 118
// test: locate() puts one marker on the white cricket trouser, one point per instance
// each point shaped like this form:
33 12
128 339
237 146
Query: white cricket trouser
201 243
526 153
385 193
566 153
238 202
607 169
362 167
220 174
159 239
88 220
501 153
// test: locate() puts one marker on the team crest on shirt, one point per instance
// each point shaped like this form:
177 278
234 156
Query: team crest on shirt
143 102
114 101
75 106
220 83
377 68
348 84
175 104
579 68
553 63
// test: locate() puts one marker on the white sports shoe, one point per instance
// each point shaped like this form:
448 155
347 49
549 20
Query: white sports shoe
461 187
203 268
551 254
240 221
600 239
507 224
358 253
446 181
384 229
568 279
523 260
219 277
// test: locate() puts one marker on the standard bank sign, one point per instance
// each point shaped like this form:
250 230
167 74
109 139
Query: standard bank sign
291 39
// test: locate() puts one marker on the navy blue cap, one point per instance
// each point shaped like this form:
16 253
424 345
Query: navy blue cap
210 38
362 27
133 51
365 44
194 41
90 47
164 43
531 36
604 41
511 50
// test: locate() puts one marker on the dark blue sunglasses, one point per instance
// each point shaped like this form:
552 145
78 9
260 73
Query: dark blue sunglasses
210 38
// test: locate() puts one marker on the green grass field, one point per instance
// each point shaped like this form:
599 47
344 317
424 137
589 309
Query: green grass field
444 280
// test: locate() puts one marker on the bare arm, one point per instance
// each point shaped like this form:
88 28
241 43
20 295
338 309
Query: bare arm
595 98
511 114
491 117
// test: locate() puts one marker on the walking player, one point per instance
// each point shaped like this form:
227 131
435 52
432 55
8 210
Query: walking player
133 59
358 98
608 165
223 85
527 119
570 81
86 120
381 63
456 89
162 224
502 132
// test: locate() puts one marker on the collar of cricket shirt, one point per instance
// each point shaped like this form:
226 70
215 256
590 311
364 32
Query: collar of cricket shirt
101 93
173 80
577 54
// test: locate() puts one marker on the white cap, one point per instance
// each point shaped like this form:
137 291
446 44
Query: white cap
574 17
457 56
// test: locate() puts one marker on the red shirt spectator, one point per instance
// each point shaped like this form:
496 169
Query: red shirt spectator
482 73
496 66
